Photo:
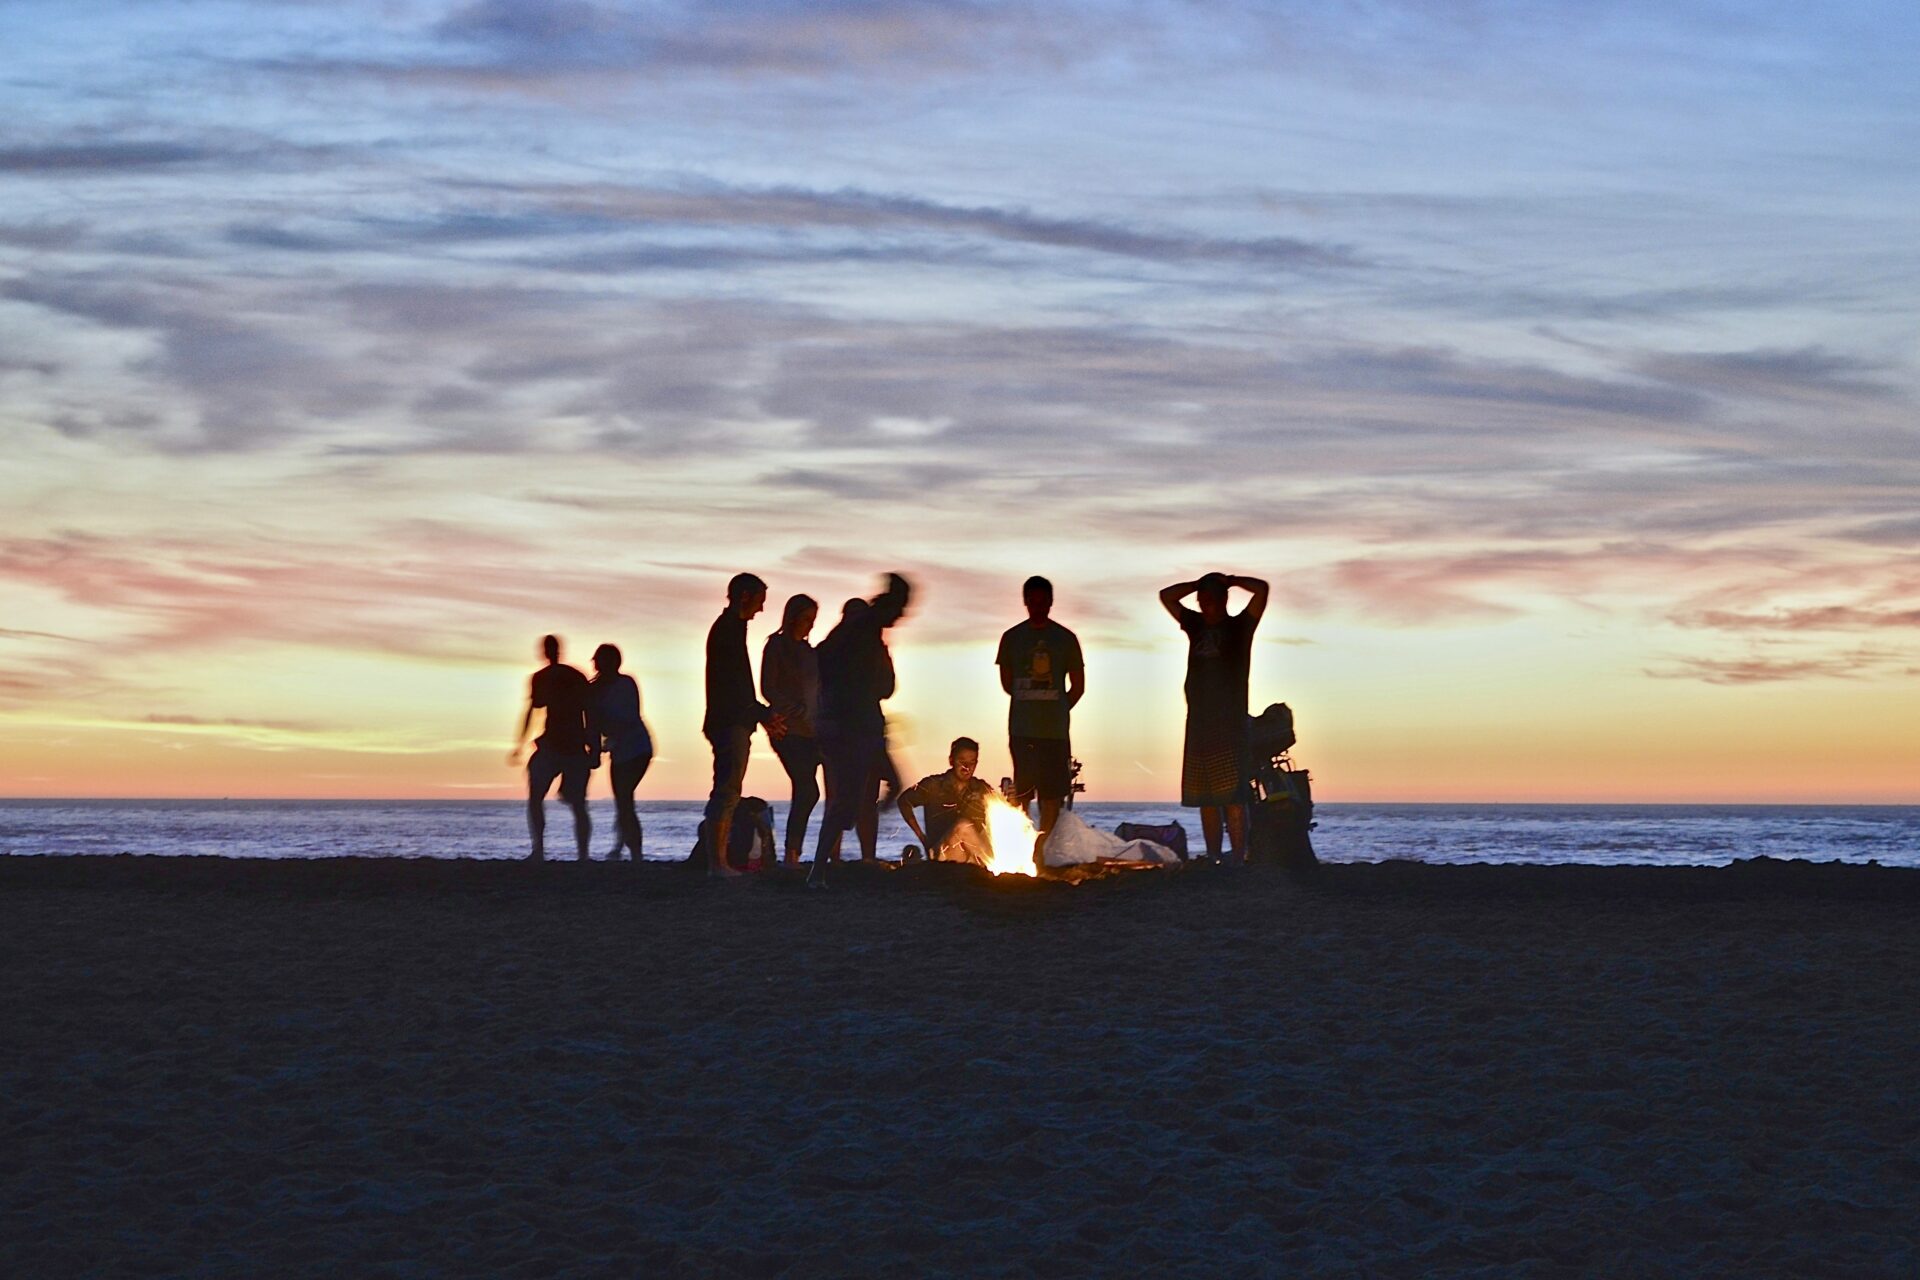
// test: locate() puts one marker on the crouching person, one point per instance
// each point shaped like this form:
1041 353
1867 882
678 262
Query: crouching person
956 807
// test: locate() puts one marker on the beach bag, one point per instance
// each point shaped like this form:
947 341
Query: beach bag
1281 822
1172 835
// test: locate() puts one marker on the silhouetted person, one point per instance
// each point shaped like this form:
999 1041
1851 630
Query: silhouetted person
732 712
568 747
629 747
956 808
856 676
1044 676
790 682
1214 768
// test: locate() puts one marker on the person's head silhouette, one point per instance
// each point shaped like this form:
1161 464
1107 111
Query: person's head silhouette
606 660
550 647
746 594
1211 595
1037 594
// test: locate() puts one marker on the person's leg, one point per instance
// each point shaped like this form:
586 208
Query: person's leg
1237 831
1019 751
729 770
631 832
621 779
1210 828
573 790
838 759
866 818
800 757
1052 774
540 776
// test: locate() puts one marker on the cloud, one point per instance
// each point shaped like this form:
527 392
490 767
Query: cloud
1817 618
69 160
42 235
1797 372
539 45
18 633
833 484
852 209
413 589
229 722
1854 665
1900 532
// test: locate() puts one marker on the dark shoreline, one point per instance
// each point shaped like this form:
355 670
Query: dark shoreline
1749 879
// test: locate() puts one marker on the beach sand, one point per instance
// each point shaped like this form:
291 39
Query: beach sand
361 1068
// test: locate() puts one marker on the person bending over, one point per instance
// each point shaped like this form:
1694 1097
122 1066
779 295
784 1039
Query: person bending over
956 807
1042 672
732 713
568 747
1214 768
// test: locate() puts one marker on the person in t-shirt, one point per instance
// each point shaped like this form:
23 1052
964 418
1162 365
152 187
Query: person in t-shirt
1214 769
956 807
1042 672
733 712
629 747
568 747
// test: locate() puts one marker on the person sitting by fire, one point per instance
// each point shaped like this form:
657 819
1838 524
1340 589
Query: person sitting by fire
956 807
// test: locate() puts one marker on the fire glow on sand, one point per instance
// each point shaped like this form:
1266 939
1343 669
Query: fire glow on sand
1010 837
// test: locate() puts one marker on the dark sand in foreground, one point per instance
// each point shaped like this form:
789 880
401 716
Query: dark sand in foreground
384 1069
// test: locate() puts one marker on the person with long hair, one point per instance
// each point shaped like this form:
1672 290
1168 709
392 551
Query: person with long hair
629 747
790 682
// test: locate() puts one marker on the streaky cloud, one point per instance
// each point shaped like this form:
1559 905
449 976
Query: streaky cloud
854 209
1857 664
70 160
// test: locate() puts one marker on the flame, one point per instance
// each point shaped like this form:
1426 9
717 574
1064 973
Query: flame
1011 837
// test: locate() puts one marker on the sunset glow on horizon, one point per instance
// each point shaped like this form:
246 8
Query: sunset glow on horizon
1557 368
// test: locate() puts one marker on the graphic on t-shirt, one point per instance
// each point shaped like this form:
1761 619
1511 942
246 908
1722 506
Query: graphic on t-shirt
1037 684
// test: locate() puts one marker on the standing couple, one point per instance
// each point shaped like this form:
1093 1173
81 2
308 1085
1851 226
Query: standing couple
583 718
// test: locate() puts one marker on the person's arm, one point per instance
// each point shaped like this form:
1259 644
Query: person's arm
1076 675
1257 587
774 672
908 799
1005 663
591 710
1170 597
520 739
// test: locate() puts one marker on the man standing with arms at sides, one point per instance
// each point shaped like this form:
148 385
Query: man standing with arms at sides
1214 769
1042 672
732 713
568 747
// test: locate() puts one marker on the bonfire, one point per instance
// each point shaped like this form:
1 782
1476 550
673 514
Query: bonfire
1010 837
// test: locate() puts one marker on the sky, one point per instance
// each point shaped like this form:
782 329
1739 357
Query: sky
1555 362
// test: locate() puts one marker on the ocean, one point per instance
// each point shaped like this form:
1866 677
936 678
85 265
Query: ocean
1670 835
